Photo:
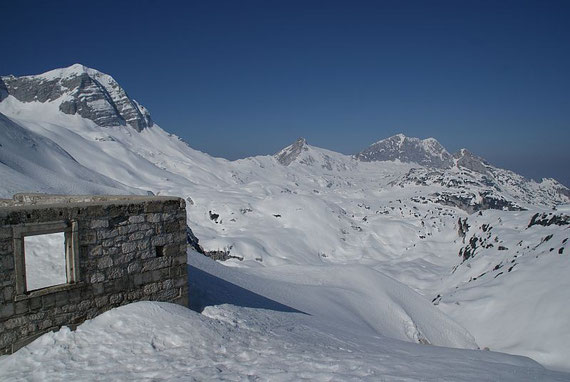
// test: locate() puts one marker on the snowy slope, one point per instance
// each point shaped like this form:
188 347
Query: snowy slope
34 163
321 221
354 297
256 338
514 269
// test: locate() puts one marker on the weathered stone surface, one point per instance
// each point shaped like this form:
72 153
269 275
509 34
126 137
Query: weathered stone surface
118 257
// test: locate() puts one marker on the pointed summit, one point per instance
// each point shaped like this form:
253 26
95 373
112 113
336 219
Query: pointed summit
78 89
464 158
291 152
427 152
70 71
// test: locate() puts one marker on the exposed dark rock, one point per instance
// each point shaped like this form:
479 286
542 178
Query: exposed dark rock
470 203
193 241
292 152
222 254
547 219
462 228
218 254
469 250
213 216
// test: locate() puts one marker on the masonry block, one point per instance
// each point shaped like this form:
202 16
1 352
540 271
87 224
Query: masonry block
119 249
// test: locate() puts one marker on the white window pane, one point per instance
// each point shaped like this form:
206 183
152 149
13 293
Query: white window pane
45 260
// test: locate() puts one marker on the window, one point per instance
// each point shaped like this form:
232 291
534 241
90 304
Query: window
45 256
45 260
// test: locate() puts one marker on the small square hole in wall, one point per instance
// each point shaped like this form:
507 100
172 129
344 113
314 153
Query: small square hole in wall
45 260
159 250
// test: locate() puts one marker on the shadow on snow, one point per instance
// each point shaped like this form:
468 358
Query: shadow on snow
208 290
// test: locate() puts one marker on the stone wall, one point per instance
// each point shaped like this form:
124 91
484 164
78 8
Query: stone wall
125 249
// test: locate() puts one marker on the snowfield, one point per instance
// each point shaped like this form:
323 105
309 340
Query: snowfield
256 338
341 269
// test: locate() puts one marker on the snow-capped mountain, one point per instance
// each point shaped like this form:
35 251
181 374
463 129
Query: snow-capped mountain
426 152
463 179
402 218
79 90
469 181
301 152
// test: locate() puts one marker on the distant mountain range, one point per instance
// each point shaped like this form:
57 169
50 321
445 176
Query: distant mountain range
95 96
469 182
461 232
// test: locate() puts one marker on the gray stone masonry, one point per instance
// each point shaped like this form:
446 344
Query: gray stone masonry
120 249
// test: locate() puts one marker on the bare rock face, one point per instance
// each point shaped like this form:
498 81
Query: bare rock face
80 90
427 152
470 161
292 152
3 90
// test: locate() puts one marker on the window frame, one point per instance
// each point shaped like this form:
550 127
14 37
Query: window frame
71 235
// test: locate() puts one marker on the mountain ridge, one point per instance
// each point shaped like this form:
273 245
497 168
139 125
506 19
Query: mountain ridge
97 97
452 231
427 152
457 172
79 90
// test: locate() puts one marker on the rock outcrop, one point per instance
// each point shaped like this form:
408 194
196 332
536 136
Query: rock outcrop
79 90
472 162
292 152
426 152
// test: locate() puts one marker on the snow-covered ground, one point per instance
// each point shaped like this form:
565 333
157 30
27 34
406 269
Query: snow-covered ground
513 296
246 331
368 251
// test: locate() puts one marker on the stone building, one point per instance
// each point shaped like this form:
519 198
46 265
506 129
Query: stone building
66 259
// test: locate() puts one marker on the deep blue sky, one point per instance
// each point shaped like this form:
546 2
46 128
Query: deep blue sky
241 78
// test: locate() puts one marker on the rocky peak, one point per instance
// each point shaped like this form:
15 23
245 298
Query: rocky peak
464 158
427 152
291 152
79 90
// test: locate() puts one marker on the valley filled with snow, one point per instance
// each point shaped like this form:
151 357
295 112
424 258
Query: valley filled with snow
371 266
240 334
